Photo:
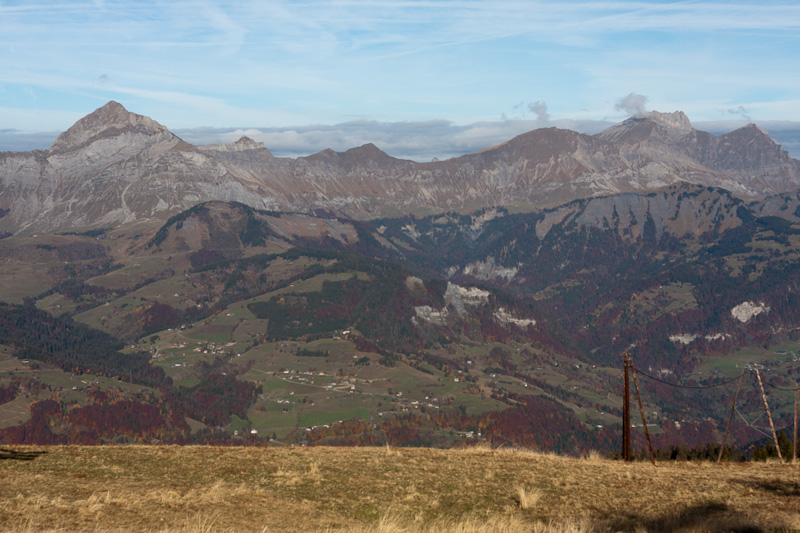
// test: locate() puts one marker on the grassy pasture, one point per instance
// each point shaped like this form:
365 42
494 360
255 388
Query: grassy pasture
56 304
172 489
20 280
777 357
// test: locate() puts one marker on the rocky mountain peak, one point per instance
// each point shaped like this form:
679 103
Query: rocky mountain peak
244 143
751 130
677 121
108 121
642 127
751 136
368 152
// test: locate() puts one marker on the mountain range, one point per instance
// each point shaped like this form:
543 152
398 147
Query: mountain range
355 298
114 167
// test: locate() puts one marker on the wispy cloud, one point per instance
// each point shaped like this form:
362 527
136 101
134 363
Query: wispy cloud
632 104
198 62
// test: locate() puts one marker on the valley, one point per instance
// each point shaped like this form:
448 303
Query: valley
221 322
365 333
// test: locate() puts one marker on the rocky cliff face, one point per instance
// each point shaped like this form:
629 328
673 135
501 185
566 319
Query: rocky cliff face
747 161
115 167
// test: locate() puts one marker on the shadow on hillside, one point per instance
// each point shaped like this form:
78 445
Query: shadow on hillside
776 487
17 455
711 516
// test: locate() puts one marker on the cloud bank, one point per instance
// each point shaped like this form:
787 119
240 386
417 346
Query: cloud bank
418 141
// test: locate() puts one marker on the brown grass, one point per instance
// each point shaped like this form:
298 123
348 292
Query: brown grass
528 498
381 490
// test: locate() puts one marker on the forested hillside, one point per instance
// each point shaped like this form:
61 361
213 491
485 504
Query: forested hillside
241 325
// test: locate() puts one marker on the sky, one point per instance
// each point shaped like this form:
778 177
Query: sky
419 78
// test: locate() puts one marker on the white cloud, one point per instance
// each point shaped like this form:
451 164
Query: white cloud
633 104
419 141
190 63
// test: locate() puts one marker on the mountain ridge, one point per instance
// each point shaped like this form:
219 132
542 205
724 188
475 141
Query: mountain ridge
114 167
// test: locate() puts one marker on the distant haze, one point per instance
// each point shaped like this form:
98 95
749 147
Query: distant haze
418 141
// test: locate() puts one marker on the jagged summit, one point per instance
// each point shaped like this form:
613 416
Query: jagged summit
108 121
676 121
641 127
244 143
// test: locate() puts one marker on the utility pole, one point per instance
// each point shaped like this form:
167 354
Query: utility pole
796 398
769 416
641 410
730 418
626 410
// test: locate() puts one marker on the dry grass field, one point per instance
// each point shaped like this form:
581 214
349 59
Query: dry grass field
177 489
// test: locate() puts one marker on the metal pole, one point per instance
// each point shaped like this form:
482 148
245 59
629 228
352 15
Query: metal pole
641 410
730 418
769 415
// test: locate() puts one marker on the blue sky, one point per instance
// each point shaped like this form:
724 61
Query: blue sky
420 68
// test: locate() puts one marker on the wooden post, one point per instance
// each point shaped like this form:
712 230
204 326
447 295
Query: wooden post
769 416
796 397
730 418
626 414
641 410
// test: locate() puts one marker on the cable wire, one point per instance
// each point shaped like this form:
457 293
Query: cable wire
779 388
687 386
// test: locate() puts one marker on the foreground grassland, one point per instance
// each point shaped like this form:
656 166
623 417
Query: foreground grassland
170 489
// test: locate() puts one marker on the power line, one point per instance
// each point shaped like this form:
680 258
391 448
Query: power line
779 388
752 372
687 386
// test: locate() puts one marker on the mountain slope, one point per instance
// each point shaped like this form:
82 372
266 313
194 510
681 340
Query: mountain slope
370 321
111 167
629 268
